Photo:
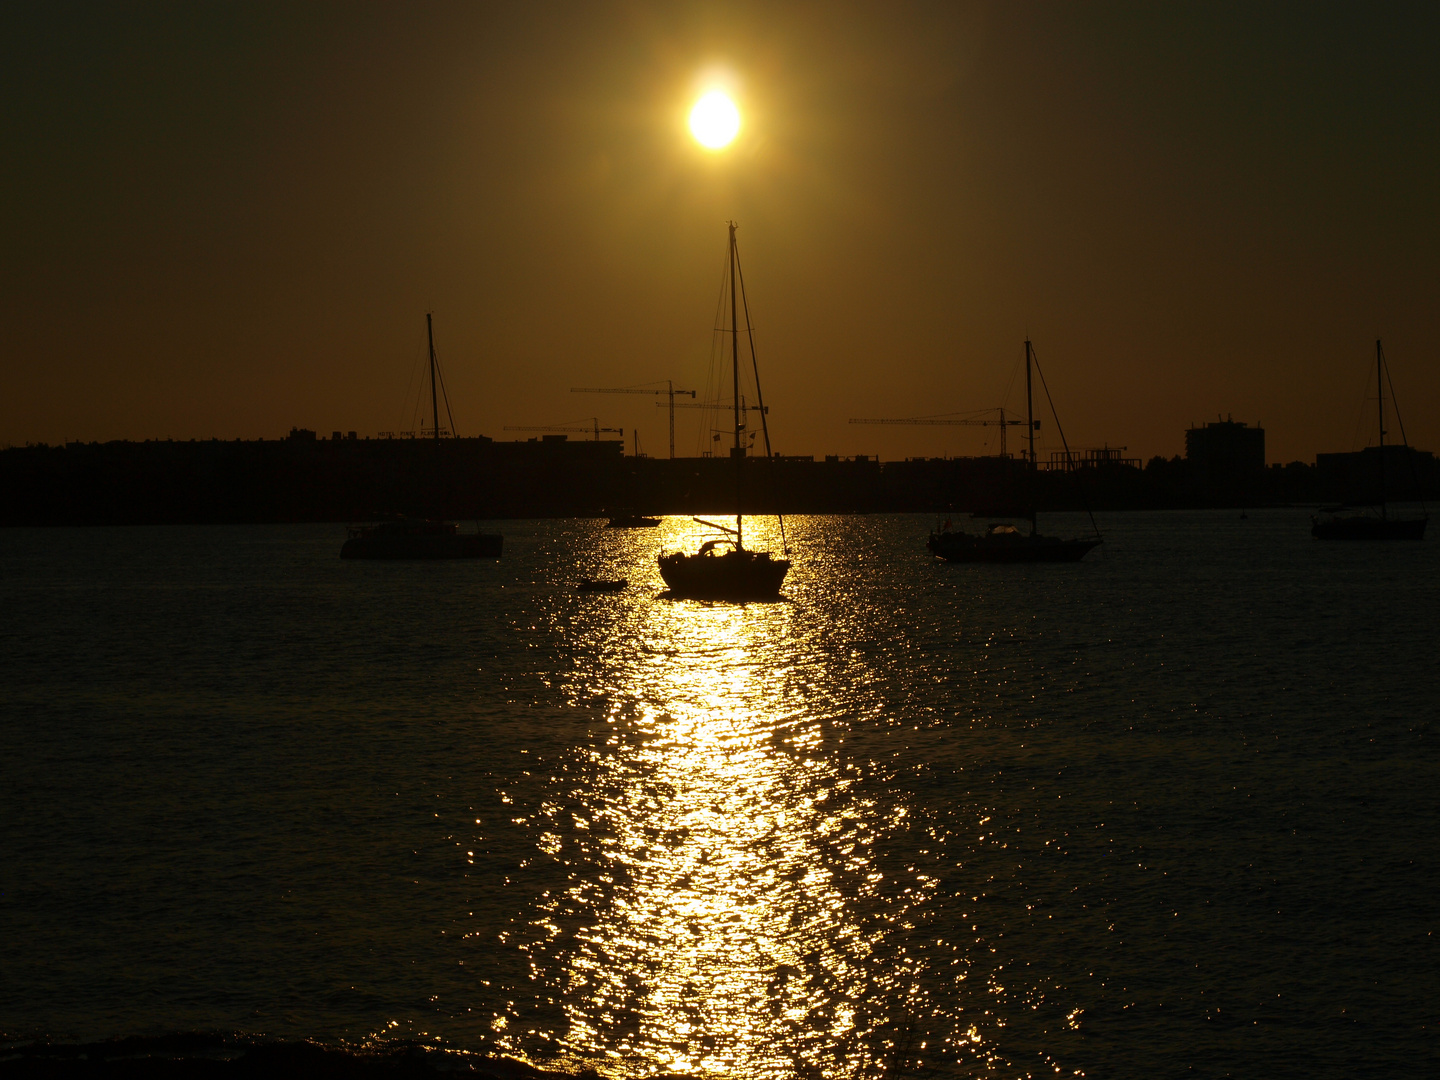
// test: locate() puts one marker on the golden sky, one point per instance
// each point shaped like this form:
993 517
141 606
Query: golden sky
230 219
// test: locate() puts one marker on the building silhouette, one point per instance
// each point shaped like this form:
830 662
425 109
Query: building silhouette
1226 457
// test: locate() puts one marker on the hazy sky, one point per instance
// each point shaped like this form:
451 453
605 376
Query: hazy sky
230 219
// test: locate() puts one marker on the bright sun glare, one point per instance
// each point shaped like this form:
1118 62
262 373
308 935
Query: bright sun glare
714 120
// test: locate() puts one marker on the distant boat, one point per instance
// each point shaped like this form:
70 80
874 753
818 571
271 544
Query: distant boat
1345 523
632 521
601 585
421 538
725 569
1003 542
418 538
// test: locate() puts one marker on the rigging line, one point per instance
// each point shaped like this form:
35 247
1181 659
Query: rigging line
1394 401
1061 431
760 397
1395 407
440 375
719 320
717 340
754 362
409 385
445 397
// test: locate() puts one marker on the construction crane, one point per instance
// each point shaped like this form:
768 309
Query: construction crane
594 429
669 391
1002 422
706 405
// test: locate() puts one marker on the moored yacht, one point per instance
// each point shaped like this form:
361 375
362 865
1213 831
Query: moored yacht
418 538
724 568
1003 542
1345 523
402 537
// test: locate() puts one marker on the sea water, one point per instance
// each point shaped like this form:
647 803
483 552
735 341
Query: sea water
1169 811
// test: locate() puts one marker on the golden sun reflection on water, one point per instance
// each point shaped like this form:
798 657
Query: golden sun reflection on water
724 883
719 819
736 862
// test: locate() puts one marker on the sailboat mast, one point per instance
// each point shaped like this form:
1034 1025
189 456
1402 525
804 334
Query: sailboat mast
434 400
1380 393
1029 405
735 374
1030 431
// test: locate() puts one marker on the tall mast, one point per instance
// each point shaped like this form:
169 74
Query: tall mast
434 401
1030 431
735 371
1029 406
671 384
1380 388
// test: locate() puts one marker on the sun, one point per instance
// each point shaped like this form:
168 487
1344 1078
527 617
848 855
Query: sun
714 121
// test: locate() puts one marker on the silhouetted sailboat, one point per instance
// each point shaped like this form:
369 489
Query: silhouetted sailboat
1341 523
725 569
1003 542
421 538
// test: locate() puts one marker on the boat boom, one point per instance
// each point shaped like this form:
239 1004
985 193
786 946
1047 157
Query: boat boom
716 525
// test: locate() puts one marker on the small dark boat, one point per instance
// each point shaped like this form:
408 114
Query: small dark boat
1003 543
725 569
632 521
601 585
1343 523
421 538
418 538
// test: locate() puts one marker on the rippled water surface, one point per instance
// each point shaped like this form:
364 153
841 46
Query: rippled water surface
1170 811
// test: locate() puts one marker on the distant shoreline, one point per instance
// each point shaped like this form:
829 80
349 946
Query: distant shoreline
348 480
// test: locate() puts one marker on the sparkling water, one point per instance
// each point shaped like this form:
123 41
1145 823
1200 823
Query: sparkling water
1169 811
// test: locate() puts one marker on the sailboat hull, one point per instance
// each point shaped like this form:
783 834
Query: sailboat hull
1368 528
407 539
735 575
963 547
